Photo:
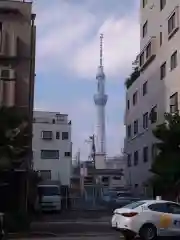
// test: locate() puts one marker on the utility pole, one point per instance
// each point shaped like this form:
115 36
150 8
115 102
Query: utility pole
93 155
93 149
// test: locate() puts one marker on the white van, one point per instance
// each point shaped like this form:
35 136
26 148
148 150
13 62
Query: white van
49 198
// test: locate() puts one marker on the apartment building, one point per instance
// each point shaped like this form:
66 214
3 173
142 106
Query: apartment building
153 88
52 146
17 54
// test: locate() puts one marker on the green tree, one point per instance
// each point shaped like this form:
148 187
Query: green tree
166 165
14 138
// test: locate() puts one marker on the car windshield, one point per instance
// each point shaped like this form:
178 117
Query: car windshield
49 191
134 205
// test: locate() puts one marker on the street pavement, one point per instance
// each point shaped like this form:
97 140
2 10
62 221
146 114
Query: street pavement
93 237
72 226
80 227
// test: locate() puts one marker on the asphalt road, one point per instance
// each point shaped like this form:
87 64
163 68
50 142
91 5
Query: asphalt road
92 237
80 227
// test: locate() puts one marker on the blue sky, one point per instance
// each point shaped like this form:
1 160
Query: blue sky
67 59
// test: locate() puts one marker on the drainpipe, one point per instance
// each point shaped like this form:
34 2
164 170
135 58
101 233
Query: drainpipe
31 82
31 102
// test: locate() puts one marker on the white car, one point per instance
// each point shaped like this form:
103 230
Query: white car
147 219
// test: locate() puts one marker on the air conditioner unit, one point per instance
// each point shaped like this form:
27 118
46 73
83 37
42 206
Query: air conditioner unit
7 74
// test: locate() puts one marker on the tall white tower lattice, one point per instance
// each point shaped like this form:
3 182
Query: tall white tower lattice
100 100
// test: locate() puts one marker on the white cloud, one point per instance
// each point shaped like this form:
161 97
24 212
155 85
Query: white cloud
119 48
68 43
65 31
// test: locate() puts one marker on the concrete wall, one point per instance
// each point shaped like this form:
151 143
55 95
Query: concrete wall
16 28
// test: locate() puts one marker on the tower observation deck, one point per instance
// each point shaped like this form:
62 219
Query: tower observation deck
100 100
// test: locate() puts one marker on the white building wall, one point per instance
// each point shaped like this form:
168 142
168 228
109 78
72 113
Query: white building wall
117 162
158 91
60 168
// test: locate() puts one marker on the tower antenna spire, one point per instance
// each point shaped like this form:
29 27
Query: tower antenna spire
101 49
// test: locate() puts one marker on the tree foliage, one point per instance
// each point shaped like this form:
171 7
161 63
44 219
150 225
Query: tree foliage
14 137
166 164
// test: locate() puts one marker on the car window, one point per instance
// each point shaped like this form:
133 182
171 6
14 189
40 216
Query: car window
159 207
134 205
174 208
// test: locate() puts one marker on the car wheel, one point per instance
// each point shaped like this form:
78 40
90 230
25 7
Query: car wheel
148 232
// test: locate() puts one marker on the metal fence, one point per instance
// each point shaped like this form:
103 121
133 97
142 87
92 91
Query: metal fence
89 198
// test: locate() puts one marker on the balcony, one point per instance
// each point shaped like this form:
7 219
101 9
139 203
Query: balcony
132 78
148 54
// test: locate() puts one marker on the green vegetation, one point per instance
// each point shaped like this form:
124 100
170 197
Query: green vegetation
14 138
132 78
15 153
166 165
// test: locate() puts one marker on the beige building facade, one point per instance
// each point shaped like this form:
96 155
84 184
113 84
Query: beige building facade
154 87
17 54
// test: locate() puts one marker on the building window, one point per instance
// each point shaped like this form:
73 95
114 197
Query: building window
45 174
49 154
163 71
136 158
145 26
65 135
145 88
160 38
145 120
135 127
162 4
129 160
174 60
128 104
144 2
46 135
135 98
172 23
142 59
145 154
129 131
174 103
67 154
153 114
148 51
57 135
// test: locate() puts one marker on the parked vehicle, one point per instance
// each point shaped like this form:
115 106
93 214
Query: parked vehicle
148 219
124 198
49 198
